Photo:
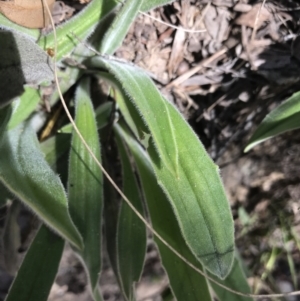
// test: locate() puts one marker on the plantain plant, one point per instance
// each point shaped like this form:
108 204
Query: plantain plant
165 171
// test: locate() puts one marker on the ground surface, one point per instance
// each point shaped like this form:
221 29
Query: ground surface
224 80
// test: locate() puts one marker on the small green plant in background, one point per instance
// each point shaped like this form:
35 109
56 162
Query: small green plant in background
178 184
285 117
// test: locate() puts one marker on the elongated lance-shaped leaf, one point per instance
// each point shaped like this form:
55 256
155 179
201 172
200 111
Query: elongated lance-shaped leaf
184 170
111 213
103 113
55 147
85 183
186 283
131 235
82 25
128 110
39 267
22 62
284 118
56 151
150 4
236 280
118 29
24 171
24 106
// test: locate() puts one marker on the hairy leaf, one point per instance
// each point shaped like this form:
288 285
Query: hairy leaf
186 284
55 147
34 62
24 106
82 26
236 280
128 110
184 170
26 174
38 270
131 231
103 113
85 183
118 29
21 61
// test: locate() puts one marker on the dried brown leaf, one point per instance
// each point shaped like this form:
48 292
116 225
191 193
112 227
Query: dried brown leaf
27 13
249 18
177 52
216 22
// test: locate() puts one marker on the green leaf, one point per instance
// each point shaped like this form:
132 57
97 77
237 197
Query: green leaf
24 106
121 24
26 174
24 56
82 25
128 111
55 147
38 270
186 283
236 280
56 152
131 231
284 118
103 114
21 61
150 4
85 183
184 170
111 214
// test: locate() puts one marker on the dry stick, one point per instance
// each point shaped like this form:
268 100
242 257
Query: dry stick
46 132
173 26
127 200
256 20
203 64
203 14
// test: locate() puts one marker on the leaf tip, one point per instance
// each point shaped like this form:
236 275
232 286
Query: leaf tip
219 263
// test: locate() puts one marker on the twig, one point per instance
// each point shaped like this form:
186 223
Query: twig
173 26
256 20
203 64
